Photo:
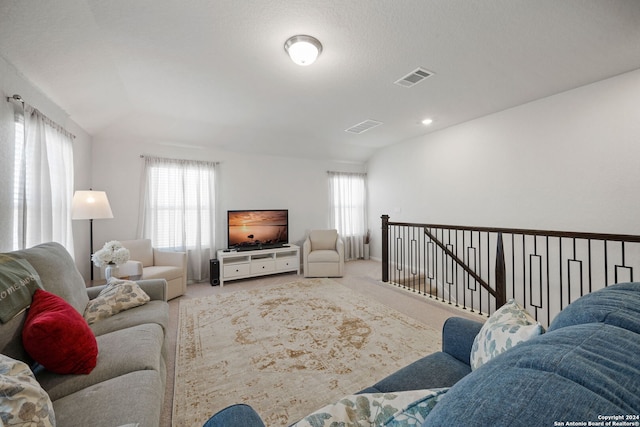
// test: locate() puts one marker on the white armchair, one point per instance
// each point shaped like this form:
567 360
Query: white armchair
152 263
323 254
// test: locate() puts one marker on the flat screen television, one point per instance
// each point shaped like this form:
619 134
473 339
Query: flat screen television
255 229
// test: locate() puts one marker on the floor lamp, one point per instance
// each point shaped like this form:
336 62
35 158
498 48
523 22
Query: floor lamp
90 205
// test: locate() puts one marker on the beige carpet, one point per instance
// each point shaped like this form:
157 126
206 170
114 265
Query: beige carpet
287 349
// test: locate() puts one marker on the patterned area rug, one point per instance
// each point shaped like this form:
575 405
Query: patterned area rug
287 350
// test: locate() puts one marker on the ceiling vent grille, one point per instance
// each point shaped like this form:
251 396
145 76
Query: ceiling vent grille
363 126
414 77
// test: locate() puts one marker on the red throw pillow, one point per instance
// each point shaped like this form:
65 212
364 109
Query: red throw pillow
56 336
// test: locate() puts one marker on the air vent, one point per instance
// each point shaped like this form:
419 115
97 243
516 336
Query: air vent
363 127
414 77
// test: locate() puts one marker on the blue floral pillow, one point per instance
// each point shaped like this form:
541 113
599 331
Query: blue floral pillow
117 296
22 401
508 326
399 409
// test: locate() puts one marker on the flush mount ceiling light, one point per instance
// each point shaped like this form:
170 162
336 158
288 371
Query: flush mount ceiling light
427 121
303 50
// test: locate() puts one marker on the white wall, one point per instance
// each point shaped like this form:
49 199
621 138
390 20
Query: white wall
246 181
567 162
12 82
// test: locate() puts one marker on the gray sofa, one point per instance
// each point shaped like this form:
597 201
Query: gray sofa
128 383
584 369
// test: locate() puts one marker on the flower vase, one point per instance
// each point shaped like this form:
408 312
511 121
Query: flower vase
112 270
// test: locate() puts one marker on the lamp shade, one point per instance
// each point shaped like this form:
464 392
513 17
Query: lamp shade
90 205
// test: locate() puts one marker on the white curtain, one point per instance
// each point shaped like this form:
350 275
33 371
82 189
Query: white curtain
177 210
43 181
348 210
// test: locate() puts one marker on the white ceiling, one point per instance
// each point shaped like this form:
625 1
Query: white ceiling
214 72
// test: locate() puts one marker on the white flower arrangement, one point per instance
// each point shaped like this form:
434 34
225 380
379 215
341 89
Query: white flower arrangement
111 253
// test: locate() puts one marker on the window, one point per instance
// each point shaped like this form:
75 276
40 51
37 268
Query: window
43 181
348 210
178 209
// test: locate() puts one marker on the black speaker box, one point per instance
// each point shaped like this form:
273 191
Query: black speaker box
214 272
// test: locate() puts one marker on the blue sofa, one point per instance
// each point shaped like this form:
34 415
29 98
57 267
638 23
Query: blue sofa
585 368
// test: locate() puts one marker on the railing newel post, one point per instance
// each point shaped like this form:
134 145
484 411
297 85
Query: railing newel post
501 276
385 248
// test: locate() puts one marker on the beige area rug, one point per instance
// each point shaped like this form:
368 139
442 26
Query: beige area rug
287 350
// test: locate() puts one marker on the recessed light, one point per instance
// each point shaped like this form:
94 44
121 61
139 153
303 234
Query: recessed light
427 122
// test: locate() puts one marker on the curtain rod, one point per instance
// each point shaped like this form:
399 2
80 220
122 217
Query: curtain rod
15 97
18 98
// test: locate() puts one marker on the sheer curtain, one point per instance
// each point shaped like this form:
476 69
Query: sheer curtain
43 181
348 210
178 210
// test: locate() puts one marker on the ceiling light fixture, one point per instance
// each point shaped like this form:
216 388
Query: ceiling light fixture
303 50
427 122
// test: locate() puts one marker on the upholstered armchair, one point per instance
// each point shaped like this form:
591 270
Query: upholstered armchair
323 254
156 264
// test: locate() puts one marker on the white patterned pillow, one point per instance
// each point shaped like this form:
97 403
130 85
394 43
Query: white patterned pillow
22 401
508 326
117 296
399 409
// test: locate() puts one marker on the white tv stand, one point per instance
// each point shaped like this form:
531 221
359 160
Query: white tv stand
243 264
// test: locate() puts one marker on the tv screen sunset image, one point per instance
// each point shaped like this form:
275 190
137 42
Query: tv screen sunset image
257 227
